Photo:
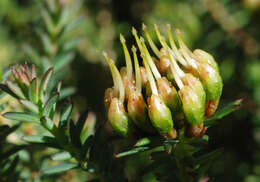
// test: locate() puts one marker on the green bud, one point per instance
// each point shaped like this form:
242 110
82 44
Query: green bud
137 111
196 85
170 97
160 115
205 57
192 105
118 118
212 83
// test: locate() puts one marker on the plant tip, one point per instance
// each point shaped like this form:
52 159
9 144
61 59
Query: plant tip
122 39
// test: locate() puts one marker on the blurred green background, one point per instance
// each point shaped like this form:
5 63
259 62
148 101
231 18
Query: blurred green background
228 29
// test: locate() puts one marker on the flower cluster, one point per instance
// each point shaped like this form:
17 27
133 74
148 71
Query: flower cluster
175 89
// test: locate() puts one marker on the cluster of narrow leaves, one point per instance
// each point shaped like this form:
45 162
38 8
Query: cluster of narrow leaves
71 138
8 157
57 36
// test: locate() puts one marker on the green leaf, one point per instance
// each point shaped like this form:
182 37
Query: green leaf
59 168
8 91
142 142
233 106
48 22
44 83
62 60
65 116
29 105
131 152
15 89
33 91
88 143
47 123
50 104
208 157
41 140
61 156
21 116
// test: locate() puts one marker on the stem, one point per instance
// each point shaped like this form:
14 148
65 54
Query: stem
151 43
184 50
150 75
110 62
154 69
134 32
137 71
174 47
129 68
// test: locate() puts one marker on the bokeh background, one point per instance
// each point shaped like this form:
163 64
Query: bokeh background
228 29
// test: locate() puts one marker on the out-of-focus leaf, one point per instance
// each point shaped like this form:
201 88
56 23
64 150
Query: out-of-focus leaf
233 106
21 116
41 140
46 41
35 57
88 143
72 44
209 156
66 92
3 106
15 89
61 156
8 91
7 130
12 166
59 168
29 105
50 104
11 151
62 60
48 22
131 152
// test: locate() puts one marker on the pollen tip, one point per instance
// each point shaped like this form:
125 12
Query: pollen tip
144 27
133 48
122 39
134 30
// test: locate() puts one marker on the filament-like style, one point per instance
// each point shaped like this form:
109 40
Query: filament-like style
134 32
151 43
118 83
137 71
129 67
149 75
185 51
149 59
174 47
